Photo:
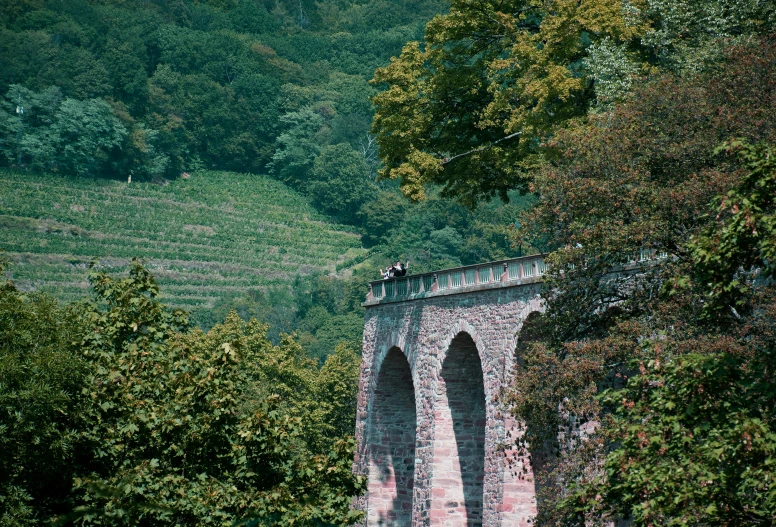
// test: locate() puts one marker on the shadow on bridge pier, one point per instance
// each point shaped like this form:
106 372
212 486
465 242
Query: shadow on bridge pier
459 442
392 444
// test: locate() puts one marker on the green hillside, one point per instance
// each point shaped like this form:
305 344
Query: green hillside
203 237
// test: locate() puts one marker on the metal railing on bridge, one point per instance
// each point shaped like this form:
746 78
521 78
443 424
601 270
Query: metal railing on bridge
514 269
458 278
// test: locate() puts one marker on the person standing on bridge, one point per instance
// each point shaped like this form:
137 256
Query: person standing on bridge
394 271
399 269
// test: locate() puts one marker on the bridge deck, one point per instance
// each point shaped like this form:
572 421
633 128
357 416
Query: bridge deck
503 273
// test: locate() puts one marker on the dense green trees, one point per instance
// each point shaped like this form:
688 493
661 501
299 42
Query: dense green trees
194 83
436 233
115 412
473 107
682 342
298 147
40 404
340 184
742 239
691 438
46 131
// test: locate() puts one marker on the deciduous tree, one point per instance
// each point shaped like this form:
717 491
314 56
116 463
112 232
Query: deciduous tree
472 107
636 189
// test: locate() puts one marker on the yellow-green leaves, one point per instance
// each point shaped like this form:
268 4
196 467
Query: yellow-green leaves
471 110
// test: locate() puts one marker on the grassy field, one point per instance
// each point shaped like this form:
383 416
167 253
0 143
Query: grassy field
202 237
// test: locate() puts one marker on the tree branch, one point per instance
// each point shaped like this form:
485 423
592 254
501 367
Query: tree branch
480 148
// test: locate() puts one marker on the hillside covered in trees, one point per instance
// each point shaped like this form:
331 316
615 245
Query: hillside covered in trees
156 88
96 92
107 90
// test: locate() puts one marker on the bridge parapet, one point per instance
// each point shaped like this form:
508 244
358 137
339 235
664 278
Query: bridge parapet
466 279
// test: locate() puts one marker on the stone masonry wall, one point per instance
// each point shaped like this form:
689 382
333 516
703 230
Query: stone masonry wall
459 350
458 463
391 436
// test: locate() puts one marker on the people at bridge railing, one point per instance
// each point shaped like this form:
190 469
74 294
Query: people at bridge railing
516 269
394 271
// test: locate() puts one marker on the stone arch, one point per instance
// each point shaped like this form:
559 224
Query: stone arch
533 307
526 335
463 326
391 443
458 458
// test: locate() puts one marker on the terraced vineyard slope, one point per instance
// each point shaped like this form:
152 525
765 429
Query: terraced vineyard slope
203 237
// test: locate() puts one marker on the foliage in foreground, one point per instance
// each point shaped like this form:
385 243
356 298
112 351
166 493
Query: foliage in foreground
684 344
741 243
692 439
166 425
40 402
695 437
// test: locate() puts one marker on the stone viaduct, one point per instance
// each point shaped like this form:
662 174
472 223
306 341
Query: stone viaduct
431 431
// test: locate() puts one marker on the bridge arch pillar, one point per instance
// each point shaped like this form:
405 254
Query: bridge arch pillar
459 349
391 443
458 464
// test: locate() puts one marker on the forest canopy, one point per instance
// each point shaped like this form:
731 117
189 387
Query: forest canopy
472 106
158 88
114 411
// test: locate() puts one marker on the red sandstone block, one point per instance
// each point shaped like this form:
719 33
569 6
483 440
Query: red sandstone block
440 481
437 516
